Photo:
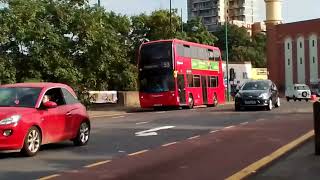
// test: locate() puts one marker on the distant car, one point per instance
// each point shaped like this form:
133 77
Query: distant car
298 92
259 93
33 114
315 91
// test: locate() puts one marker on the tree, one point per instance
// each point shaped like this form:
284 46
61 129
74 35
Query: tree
197 32
242 47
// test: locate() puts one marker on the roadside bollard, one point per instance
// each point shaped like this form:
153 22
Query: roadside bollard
316 119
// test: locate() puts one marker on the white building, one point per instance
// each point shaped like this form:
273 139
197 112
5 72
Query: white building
243 71
214 12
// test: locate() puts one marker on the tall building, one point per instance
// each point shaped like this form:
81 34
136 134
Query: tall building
214 12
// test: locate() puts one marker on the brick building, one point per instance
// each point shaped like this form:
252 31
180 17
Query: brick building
293 53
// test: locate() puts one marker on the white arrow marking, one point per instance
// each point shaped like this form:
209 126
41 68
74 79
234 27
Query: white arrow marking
152 132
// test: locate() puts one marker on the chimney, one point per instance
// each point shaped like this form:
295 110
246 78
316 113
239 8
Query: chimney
273 12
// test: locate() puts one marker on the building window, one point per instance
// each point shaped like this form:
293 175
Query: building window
300 44
245 75
301 60
314 60
288 45
288 62
313 43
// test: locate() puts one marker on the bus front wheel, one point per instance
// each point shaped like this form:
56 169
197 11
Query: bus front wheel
190 102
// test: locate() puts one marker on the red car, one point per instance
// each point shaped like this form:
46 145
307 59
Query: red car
33 114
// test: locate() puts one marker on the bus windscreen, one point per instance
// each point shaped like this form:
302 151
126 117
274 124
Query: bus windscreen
156 55
152 81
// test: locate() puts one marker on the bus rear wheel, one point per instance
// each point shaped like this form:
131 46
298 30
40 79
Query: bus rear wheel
190 102
215 101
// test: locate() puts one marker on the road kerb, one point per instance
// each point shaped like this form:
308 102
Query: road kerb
268 159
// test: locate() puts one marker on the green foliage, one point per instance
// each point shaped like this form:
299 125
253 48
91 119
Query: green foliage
89 48
197 32
242 47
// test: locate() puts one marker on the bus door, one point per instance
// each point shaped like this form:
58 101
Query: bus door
181 89
204 89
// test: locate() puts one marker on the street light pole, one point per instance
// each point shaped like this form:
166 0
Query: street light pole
99 3
227 51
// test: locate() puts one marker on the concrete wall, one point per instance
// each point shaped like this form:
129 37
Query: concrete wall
128 98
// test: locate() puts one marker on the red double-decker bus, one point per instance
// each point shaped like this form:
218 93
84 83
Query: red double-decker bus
180 73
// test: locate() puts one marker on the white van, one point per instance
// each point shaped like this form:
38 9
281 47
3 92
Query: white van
298 92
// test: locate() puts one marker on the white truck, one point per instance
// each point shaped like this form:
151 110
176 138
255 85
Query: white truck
298 92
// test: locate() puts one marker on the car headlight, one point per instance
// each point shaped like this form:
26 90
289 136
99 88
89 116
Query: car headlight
264 96
10 120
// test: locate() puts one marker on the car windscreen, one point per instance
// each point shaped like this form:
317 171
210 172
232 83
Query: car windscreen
259 85
19 97
302 88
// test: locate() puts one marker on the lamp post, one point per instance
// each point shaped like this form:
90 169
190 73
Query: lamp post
227 51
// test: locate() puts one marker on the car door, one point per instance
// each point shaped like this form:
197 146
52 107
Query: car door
73 118
53 119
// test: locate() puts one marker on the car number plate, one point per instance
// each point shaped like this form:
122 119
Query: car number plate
250 102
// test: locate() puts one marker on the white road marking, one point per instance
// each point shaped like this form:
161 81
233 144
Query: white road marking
152 132
97 164
260 119
117 117
142 123
194 137
161 112
49 177
169 144
244 123
229 127
110 115
213 131
139 152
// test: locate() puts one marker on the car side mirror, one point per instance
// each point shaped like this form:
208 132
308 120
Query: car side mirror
50 104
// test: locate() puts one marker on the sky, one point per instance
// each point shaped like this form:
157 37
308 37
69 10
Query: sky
293 10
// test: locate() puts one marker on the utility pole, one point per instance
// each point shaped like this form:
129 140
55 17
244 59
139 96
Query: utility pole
170 20
181 21
227 50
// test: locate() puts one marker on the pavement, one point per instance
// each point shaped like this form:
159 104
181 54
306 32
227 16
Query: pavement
202 143
300 164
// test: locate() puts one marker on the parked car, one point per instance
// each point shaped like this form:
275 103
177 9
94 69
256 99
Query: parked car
298 92
259 93
33 114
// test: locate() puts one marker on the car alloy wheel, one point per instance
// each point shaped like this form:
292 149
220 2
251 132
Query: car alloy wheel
32 142
270 105
278 102
83 134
